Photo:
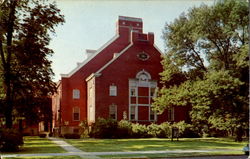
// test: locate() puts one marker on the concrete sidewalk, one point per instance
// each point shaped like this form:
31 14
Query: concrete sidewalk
71 149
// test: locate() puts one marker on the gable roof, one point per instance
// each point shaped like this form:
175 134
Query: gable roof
80 65
116 57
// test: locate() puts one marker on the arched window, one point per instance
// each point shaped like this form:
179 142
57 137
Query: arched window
143 78
143 75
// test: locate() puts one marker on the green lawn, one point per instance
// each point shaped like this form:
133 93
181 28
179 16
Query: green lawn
46 157
43 145
34 144
105 145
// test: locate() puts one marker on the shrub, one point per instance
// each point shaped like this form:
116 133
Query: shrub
84 129
50 134
10 140
166 130
124 129
72 136
154 130
42 135
139 131
104 128
185 130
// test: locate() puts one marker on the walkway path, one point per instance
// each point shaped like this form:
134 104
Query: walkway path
71 149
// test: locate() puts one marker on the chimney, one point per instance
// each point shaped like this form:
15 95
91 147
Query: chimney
128 24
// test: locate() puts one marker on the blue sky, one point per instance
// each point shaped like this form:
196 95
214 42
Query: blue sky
90 24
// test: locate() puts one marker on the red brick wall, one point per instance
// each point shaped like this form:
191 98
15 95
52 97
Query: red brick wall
77 80
126 67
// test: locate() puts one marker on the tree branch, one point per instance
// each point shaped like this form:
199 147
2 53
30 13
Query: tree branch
198 56
2 54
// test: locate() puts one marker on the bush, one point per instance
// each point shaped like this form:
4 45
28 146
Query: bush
166 130
42 135
10 140
104 128
109 128
124 129
154 130
84 129
186 130
139 131
50 134
72 136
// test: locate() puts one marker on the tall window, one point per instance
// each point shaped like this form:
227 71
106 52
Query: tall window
152 115
112 90
113 111
171 114
132 113
76 94
76 113
152 92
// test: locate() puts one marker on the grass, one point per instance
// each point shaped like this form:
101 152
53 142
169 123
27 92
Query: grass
46 157
164 155
155 144
43 145
35 144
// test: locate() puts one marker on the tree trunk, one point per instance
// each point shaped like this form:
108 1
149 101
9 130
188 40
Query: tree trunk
7 74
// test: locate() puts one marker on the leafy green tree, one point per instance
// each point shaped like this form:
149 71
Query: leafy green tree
25 71
206 66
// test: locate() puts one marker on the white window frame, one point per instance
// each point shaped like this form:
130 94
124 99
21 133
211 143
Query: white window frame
113 105
136 112
135 92
74 111
112 90
154 113
76 94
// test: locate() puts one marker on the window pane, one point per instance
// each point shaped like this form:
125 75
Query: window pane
76 113
76 116
152 115
76 94
133 92
112 90
76 110
132 113
112 111
152 92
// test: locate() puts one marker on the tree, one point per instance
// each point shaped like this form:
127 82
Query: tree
25 71
206 66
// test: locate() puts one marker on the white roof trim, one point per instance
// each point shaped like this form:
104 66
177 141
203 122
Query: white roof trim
130 19
91 76
125 49
107 64
89 59
158 49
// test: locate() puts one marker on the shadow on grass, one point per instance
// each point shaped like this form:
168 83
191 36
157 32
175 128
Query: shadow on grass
34 144
99 145
46 157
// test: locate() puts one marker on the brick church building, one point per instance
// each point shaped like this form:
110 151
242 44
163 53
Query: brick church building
116 81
